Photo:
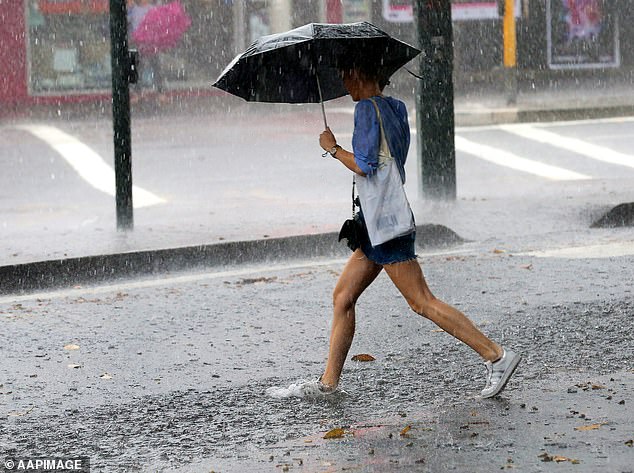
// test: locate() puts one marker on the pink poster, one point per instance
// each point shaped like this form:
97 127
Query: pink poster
582 34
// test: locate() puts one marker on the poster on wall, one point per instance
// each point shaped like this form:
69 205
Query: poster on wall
582 34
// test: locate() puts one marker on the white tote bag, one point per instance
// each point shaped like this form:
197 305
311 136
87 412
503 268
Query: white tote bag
383 201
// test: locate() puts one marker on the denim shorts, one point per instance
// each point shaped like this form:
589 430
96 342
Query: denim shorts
398 250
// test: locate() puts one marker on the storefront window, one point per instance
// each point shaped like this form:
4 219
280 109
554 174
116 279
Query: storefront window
69 46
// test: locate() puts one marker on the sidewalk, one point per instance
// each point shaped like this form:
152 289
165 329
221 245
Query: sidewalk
63 257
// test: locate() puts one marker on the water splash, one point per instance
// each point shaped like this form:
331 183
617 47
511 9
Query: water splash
308 389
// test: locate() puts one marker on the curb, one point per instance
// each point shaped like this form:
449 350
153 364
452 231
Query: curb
29 277
495 116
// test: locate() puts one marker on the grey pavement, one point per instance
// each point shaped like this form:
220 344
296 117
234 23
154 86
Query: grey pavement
169 373
48 247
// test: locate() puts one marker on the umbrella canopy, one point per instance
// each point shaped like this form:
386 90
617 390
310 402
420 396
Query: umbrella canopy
161 28
292 67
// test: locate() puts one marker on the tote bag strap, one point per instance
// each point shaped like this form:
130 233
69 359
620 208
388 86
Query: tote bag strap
384 146
354 182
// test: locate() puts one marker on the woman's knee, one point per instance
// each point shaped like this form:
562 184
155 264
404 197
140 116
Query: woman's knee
423 305
343 299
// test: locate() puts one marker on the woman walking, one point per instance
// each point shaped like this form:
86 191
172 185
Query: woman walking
380 123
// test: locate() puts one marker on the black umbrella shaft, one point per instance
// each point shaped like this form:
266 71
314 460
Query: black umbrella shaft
321 101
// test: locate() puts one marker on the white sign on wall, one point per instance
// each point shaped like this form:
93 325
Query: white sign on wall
402 11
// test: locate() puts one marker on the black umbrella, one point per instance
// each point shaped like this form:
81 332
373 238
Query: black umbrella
304 65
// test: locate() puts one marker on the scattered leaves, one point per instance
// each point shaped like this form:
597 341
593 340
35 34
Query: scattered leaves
557 458
245 281
588 386
335 434
455 258
363 357
585 428
405 431
71 346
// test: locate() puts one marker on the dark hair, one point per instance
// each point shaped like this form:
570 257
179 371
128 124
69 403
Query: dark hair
369 72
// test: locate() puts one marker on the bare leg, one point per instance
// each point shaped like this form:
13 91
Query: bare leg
408 278
357 275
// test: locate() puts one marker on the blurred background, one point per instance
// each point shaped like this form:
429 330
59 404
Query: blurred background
59 50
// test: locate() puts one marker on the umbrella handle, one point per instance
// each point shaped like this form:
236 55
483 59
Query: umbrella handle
321 101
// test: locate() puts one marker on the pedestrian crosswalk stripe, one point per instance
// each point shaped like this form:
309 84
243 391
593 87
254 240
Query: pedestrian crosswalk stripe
510 160
87 163
590 150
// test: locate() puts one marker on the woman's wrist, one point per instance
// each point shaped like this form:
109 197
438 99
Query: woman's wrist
333 150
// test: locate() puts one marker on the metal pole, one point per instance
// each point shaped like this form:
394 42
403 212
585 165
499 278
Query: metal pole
121 113
239 29
510 51
434 100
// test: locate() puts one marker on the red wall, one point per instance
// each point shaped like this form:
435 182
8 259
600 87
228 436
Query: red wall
13 78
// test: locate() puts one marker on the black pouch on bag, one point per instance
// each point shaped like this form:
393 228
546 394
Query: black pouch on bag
353 228
352 231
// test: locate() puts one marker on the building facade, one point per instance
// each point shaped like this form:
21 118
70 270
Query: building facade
59 50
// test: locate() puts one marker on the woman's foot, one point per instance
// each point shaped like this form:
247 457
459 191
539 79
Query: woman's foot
499 373
307 389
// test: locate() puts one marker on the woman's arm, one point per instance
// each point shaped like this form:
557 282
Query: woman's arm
328 141
347 159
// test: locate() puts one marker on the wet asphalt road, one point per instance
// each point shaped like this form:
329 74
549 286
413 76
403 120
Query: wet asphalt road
169 374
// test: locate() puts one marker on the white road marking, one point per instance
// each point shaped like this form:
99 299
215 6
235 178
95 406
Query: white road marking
550 124
599 153
88 164
607 250
510 160
507 159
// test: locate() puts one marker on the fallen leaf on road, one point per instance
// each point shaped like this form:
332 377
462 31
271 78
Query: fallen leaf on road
597 386
557 458
71 346
405 431
584 428
334 434
363 357
498 251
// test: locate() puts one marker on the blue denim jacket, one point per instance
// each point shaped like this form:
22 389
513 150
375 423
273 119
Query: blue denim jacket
367 133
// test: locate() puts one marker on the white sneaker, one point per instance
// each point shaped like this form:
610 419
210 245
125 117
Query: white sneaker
306 389
500 372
